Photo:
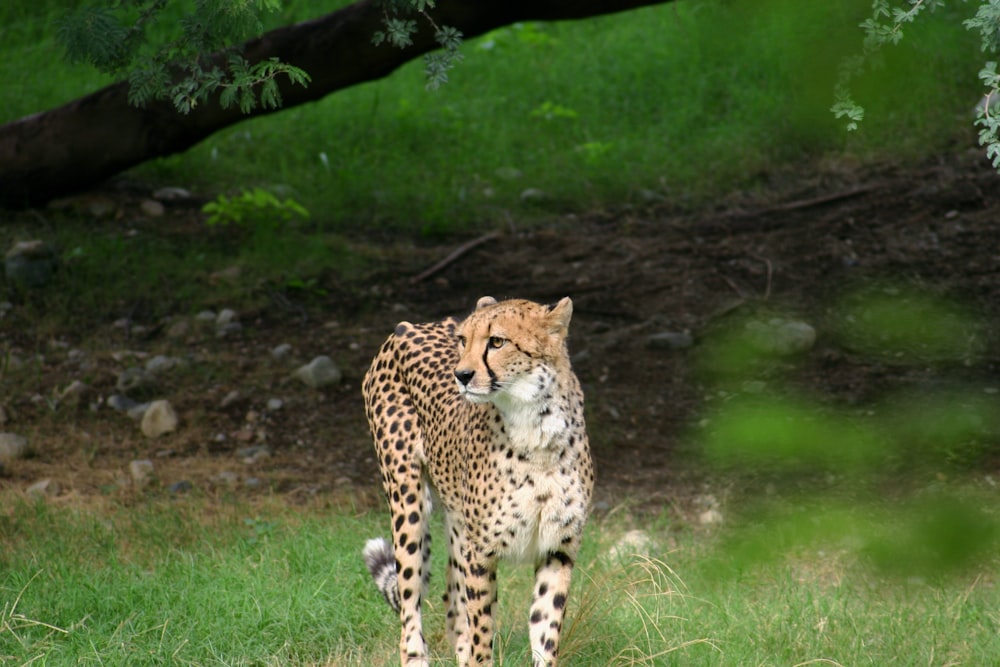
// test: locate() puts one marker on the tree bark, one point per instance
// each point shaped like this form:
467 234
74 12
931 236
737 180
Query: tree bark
84 142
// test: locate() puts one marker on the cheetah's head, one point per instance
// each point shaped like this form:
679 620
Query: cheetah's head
512 350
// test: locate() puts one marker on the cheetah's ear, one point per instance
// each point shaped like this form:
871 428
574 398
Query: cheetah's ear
485 301
560 314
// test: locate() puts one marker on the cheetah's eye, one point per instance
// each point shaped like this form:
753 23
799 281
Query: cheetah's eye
461 341
496 342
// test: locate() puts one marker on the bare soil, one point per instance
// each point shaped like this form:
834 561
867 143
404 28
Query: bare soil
793 247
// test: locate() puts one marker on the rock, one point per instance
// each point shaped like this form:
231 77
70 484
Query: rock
206 316
253 453
669 340
227 324
320 372
138 411
101 207
632 543
227 478
226 316
181 486
651 196
134 379
508 173
533 196
141 472
13 446
152 208
230 399
781 337
178 329
229 275
280 352
161 364
43 488
30 264
274 404
228 329
710 517
171 194
159 419
120 403
72 394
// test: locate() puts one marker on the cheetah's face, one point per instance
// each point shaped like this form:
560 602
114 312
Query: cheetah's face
511 349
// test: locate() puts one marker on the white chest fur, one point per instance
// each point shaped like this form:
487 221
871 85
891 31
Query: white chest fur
540 515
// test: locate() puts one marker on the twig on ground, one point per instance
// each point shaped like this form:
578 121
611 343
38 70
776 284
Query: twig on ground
454 255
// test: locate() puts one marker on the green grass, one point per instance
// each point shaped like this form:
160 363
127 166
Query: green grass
197 582
687 101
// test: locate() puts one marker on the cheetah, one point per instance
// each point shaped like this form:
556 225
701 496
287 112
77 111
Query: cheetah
488 414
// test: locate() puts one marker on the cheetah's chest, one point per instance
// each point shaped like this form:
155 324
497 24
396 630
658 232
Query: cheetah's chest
541 508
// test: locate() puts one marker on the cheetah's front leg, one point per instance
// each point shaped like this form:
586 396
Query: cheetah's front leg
480 603
411 545
552 578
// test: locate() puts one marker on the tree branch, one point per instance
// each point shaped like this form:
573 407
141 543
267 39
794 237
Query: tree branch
94 137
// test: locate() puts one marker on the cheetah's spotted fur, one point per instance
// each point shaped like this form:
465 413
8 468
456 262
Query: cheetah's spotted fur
489 413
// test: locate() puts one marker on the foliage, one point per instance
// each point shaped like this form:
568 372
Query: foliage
253 208
201 60
399 31
197 581
681 119
885 27
194 63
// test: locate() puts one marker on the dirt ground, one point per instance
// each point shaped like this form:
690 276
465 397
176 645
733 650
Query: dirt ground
632 273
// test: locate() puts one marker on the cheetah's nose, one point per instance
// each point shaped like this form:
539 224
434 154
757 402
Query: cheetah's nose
464 376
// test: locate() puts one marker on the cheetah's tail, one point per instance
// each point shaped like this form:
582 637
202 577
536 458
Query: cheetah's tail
381 562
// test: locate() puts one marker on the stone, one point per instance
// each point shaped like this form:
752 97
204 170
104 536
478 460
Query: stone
228 329
101 207
180 486
120 403
152 208
320 372
231 398
206 316
274 404
73 393
134 378
632 543
279 352
138 411
30 264
508 173
161 364
781 337
230 276
225 316
253 453
141 471
227 478
13 446
178 329
171 194
710 517
533 196
669 340
159 419
42 489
